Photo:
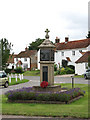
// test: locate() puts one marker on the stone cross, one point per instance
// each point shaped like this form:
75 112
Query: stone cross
47 36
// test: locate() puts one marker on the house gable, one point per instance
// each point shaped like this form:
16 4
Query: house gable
84 58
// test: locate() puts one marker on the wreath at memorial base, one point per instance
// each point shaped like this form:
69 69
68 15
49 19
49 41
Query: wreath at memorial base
44 84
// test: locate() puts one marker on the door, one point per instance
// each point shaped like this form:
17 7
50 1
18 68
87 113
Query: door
45 73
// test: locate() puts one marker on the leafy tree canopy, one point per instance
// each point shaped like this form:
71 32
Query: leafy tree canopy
89 61
5 51
34 45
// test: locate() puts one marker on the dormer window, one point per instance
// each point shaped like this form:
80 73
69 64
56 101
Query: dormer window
73 52
16 59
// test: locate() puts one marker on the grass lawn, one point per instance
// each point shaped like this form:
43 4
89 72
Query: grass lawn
32 73
37 73
79 76
77 109
13 81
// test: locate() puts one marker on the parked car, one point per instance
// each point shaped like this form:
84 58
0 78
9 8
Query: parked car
3 79
87 74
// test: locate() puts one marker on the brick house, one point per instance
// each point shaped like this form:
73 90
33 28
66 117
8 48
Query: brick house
10 62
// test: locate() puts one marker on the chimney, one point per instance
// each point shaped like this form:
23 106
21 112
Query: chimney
66 39
57 40
26 49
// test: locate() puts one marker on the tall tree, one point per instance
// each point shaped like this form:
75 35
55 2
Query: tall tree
88 36
5 50
34 45
89 61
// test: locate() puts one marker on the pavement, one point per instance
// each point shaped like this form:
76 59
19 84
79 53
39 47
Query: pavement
14 117
69 75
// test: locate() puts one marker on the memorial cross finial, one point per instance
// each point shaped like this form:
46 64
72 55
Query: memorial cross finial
47 31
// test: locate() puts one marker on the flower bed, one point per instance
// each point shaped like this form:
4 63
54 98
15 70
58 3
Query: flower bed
28 94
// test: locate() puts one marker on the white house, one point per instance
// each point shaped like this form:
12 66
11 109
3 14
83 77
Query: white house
82 63
70 51
26 59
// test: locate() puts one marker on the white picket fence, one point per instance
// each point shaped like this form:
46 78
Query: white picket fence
20 76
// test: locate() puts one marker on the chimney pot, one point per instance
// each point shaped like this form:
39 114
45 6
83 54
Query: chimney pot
66 39
57 40
26 49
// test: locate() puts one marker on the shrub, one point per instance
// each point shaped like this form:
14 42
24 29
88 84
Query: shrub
62 71
69 70
29 94
8 70
43 97
55 67
71 66
57 72
19 70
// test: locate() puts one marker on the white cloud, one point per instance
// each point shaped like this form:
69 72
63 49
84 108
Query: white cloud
23 21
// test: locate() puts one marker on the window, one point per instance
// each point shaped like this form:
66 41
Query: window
62 53
25 66
73 52
25 59
16 59
80 50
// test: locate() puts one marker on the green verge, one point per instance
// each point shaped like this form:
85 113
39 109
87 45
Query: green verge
79 76
13 81
32 73
77 108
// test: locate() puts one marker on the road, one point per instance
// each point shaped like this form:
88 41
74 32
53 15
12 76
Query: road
35 81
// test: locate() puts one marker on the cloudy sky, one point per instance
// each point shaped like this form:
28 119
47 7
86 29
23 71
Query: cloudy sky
23 21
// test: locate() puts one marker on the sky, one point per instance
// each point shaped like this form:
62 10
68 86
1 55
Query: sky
23 21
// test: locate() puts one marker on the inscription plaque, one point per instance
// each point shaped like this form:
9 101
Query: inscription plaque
46 55
45 73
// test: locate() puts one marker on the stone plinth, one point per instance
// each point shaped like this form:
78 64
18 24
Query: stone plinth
50 65
53 88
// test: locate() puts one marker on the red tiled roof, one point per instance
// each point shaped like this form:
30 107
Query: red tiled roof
26 53
73 44
11 58
84 58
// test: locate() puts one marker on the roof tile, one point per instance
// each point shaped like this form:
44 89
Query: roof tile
73 44
84 58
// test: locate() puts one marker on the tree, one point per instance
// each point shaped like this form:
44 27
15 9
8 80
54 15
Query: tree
5 51
88 36
89 61
64 63
34 45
